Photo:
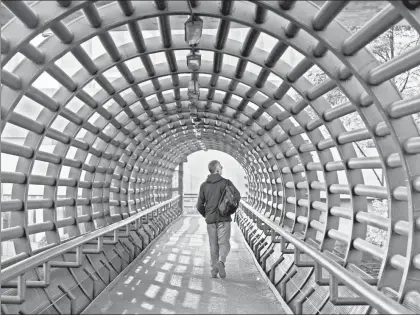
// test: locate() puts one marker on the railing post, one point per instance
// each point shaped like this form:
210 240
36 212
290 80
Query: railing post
302 299
283 283
333 289
109 270
95 280
299 262
181 185
264 258
273 269
71 297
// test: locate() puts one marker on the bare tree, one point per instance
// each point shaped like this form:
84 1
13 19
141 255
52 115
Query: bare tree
394 42
375 235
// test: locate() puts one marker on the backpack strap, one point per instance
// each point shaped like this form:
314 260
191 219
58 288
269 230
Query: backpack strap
228 183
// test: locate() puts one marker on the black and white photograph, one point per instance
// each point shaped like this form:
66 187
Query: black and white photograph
210 157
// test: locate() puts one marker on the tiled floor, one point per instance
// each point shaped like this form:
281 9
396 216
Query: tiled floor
174 277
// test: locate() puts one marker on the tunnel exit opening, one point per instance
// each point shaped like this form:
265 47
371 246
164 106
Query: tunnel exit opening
195 172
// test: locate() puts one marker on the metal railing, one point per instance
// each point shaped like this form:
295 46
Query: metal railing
190 202
338 274
44 258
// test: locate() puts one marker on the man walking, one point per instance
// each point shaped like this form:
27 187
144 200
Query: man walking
218 227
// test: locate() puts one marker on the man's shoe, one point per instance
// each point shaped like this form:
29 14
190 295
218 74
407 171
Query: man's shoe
222 271
214 272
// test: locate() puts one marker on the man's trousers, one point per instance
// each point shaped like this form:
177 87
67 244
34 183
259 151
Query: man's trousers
219 239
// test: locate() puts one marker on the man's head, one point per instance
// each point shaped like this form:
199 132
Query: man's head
215 167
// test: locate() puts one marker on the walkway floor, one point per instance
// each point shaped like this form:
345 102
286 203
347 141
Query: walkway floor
174 277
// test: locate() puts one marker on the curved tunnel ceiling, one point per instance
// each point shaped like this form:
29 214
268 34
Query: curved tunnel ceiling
122 145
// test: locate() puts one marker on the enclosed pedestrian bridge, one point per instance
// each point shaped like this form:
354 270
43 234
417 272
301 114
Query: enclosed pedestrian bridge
103 101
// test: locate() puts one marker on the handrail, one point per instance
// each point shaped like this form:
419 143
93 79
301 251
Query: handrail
371 295
32 262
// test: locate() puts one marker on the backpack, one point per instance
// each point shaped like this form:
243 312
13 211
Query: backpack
229 202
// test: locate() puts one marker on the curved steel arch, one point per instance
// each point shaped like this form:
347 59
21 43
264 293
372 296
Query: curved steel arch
296 117
116 159
151 146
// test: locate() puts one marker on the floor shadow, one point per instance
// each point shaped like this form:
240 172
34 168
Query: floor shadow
174 277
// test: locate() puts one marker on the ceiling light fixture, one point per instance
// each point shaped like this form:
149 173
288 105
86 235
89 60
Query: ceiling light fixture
194 60
193 30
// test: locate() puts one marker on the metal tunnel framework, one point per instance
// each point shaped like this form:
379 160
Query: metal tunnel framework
135 134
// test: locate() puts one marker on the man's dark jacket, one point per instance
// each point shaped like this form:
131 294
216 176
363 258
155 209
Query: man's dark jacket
209 196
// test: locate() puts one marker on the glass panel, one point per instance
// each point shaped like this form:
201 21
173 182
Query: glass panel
274 79
121 37
13 133
112 74
158 58
38 240
8 162
237 32
40 168
14 62
292 56
63 233
252 105
266 42
65 171
146 25
94 47
252 67
36 191
60 123
28 108
7 248
46 84
69 64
